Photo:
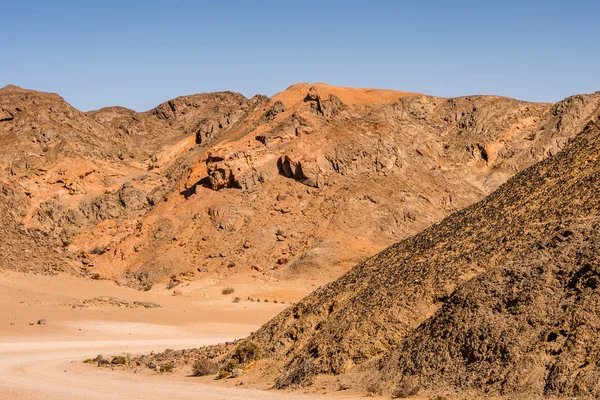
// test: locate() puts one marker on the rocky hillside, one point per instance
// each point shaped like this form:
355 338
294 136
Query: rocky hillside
300 186
500 298
65 174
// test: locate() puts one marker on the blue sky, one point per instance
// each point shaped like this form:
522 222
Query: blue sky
140 53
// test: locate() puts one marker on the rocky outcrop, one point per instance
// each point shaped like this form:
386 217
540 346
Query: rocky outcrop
6 115
234 170
22 248
277 108
183 107
304 171
56 219
326 106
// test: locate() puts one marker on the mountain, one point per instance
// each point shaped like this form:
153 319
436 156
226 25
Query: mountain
298 187
498 299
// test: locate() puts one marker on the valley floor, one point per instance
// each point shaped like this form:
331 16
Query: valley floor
45 360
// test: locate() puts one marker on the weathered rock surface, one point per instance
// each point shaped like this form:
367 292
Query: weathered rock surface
499 299
144 197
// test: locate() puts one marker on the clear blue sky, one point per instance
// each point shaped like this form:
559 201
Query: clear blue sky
140 53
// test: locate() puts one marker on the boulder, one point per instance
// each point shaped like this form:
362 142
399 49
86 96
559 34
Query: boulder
234 170
305 171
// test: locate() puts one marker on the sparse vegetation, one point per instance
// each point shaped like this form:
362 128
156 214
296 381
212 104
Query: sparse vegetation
87 361
246 352
227 290
236 299
168 367
119 360
204 366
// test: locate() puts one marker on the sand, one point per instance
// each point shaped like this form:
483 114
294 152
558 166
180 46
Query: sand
45 361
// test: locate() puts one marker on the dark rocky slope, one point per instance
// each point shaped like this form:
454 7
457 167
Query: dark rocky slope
499 298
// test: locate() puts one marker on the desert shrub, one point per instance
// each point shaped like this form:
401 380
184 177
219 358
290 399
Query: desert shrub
119 360
87 361
168 367
236 299
204 366
227 290
227 368
246 352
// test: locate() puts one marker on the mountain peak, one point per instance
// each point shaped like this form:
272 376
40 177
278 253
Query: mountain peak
296 93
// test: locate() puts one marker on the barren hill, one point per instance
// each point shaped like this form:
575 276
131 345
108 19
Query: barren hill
299 186
500 298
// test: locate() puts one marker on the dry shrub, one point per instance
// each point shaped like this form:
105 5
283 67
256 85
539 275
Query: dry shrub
204 366
119 360
168 367
246 352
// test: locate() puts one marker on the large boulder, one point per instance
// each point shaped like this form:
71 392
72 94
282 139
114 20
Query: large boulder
305 171
234 170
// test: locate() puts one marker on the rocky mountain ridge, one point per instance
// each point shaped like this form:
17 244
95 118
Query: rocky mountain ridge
300 186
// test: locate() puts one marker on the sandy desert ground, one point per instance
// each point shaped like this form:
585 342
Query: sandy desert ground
45 361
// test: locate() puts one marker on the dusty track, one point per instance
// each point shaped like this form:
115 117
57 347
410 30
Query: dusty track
53 370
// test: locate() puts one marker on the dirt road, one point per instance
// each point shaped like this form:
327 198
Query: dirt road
54 370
